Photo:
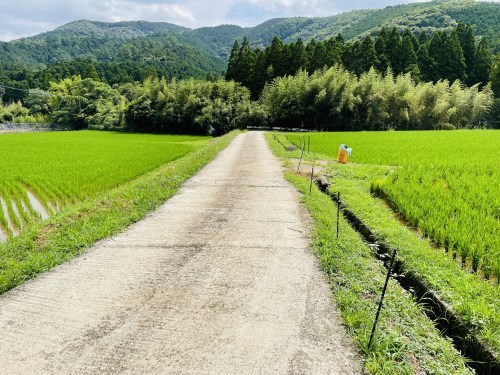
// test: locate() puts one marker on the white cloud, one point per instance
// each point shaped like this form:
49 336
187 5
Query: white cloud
297 7
132 10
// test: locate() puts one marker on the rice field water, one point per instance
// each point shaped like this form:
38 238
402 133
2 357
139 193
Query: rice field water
446 184
41 173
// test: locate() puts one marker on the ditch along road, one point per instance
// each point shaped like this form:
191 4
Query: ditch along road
219 280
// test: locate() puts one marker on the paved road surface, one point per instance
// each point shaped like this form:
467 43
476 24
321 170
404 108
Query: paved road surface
219 280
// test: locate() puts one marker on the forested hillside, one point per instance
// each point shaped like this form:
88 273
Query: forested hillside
132 51
444 55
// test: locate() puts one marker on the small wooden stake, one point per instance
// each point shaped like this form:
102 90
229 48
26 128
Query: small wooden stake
301 154
311 184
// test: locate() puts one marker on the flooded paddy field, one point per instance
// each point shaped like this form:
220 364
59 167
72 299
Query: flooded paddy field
42 173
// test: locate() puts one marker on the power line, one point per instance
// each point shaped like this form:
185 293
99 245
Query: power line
13 88
24 90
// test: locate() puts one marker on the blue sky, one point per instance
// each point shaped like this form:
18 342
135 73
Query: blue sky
30 17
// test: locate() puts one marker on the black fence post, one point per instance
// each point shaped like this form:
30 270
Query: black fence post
338 212
382 298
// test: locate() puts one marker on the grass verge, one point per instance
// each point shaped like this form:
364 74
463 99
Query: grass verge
67 234
406 341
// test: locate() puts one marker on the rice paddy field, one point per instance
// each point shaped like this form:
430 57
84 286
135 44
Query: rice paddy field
447 185
435 198
41 173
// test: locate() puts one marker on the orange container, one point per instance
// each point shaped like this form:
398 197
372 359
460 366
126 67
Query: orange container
343 155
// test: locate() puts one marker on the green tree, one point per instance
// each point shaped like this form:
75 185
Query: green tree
482 63
245 64
495 76
408 55
367 56
393 50
445 50
467 43
381 50
334 49
340 39
310 47
414 40
276 57
426 64
423 38
298 57
86 103
260 75
319 57
233 61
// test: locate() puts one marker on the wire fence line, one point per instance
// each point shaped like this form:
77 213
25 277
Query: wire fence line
10 127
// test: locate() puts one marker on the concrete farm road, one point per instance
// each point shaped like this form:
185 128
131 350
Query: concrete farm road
219 280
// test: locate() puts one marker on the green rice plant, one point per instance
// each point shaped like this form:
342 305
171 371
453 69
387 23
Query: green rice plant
43 245
454 205
397 148
63 168
446 185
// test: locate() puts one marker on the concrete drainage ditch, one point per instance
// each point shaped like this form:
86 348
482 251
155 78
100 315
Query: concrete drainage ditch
481 357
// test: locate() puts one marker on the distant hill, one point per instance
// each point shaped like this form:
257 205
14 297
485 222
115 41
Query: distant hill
428 16
184 52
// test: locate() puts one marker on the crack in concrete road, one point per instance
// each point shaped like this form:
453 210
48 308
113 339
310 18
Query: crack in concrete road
213 282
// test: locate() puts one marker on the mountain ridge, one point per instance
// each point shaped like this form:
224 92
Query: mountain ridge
195 52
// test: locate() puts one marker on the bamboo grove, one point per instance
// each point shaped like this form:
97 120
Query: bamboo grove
328 99
336 99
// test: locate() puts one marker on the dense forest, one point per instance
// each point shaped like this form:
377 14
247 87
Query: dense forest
131 51
452 55
335 99
328 99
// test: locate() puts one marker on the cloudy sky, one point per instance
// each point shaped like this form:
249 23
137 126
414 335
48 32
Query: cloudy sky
29 17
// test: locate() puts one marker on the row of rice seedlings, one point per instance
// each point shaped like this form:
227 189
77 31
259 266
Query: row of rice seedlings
32 215
17 204
10 222
444 188
4 224
17 207
54 195
42 194
475 300
455 207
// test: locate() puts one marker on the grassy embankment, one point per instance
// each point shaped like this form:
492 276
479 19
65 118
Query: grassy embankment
122 194
406 341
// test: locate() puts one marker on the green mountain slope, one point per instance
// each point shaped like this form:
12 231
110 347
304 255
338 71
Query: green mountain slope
182 52
428 16
138 42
